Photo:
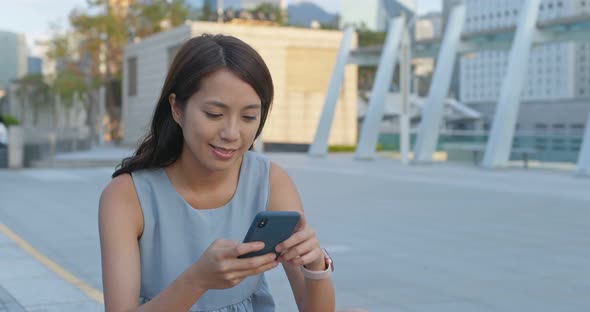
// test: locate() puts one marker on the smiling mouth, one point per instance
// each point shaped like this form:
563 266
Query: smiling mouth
223 150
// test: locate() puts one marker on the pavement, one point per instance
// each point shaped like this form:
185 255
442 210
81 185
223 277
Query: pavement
440 237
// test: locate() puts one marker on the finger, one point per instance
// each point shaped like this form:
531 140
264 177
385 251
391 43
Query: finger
225 243
268 266
253 262
242 249
295 239
299 250
308 258
301 224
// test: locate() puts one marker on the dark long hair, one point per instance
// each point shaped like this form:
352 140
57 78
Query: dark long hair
197 58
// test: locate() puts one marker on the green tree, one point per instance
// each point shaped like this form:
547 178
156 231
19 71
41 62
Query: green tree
102 31
34 91
206 11
68 83
370 38
157 16
273 11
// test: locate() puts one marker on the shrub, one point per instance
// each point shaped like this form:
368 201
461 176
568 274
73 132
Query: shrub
10 120
348 148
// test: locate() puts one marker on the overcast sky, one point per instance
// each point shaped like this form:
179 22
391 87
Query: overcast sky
32 17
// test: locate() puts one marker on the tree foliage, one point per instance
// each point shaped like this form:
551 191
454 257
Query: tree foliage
274 12
34 91
91 55
68 83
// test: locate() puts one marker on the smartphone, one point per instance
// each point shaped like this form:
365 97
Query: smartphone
272 228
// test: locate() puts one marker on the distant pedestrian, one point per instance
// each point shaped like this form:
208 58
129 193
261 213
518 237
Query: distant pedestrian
172 218
3 133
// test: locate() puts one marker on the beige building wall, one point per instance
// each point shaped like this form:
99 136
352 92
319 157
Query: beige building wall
300 62
151 57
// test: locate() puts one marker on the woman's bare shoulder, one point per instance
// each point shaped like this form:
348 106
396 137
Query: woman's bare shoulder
283 192
119 201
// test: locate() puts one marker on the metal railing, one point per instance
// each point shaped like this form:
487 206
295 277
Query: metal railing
549 147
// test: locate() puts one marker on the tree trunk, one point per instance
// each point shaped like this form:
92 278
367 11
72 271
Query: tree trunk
110 96
91 106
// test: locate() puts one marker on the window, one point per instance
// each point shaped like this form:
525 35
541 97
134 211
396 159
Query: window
577 129
558 127
540 126
132 76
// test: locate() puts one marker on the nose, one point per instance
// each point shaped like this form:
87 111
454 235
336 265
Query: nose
231 130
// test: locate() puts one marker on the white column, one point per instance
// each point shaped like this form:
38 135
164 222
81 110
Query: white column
372 122
404 119
432 112
500 140
319 146
583 167
16 147
102 113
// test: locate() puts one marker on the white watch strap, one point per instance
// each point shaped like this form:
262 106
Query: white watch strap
319 275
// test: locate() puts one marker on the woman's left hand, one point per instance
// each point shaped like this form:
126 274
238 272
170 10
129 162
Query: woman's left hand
302 248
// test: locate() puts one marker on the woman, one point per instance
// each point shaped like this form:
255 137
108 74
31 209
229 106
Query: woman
172 218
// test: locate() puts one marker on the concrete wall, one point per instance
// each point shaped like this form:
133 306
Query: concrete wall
300 62
152 67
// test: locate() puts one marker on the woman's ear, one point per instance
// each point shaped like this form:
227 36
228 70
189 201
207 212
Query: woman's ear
174 108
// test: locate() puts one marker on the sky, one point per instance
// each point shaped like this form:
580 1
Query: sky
33 17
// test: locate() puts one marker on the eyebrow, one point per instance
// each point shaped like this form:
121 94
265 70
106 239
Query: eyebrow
223 105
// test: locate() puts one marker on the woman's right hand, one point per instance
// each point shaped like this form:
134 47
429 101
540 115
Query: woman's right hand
220 268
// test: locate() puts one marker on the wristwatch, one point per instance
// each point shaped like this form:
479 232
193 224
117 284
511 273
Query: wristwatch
319 275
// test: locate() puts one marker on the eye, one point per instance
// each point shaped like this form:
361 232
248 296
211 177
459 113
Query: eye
213 115
250 118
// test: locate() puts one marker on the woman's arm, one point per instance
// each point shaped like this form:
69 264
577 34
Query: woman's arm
120 226
303 246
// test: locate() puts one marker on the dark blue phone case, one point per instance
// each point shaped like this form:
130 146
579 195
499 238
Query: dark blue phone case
272 228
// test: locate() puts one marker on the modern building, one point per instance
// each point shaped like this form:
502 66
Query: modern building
13 57
429 26
373 14
300 62
447 5
34 65
555 98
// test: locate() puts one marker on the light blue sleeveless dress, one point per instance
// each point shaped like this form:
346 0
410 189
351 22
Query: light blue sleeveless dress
175 235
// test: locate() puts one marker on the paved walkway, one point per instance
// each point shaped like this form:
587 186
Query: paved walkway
442 237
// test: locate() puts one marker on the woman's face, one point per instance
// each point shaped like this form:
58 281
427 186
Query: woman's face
220 121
